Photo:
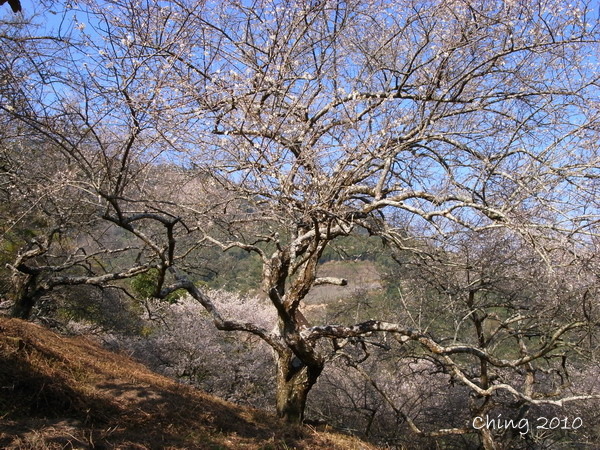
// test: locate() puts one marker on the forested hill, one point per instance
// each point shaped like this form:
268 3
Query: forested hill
62 392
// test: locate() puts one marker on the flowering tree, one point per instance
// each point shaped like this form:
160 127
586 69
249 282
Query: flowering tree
277 127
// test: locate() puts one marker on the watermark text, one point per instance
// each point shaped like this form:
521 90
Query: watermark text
525 425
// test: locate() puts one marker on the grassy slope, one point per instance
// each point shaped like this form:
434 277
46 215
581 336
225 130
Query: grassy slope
62 392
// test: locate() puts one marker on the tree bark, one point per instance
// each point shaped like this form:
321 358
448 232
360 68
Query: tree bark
487 439
25 295
294 381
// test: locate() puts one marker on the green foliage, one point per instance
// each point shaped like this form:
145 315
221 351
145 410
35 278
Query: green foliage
144 286
104 309
235 270
358 246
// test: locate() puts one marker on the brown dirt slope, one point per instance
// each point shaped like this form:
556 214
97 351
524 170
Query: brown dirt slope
64 392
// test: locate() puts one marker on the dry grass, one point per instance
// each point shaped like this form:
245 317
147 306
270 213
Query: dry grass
361 275
59 392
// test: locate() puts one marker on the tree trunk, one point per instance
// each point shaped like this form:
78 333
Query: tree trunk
294 381
487 439
25 295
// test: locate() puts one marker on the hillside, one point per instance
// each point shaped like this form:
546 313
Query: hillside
65 392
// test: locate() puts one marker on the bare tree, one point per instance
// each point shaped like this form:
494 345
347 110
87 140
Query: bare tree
52 179
282 126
